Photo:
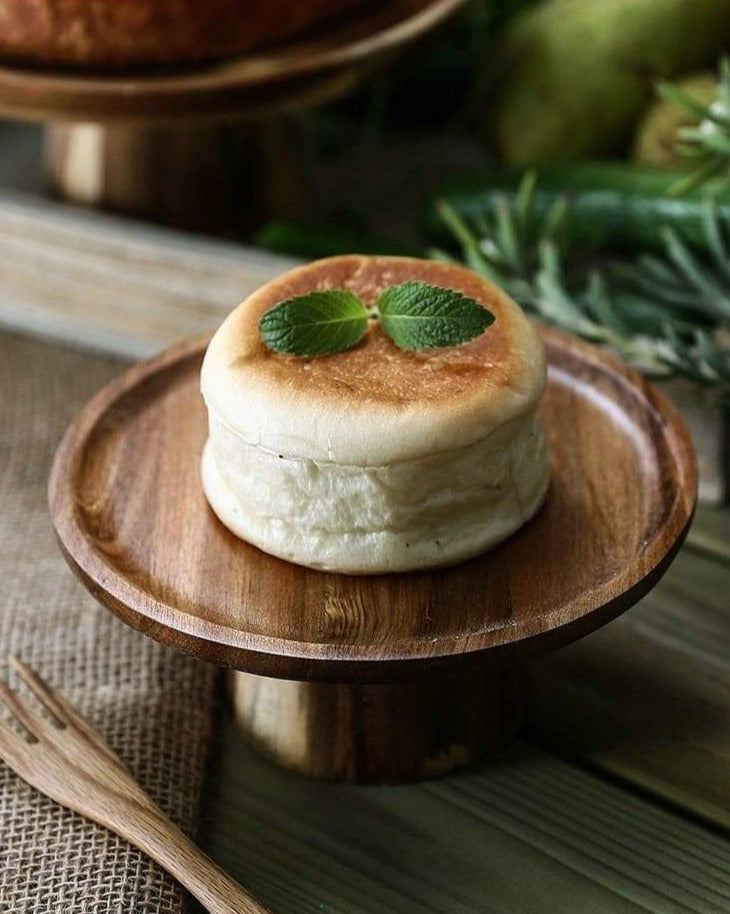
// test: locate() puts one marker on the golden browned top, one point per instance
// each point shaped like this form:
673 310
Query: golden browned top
375 369
455 393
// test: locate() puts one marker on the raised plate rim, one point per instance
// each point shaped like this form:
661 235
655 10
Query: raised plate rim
270 655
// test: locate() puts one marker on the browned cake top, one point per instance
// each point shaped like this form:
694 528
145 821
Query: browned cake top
456 392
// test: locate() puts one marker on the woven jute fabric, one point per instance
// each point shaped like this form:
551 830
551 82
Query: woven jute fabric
152 704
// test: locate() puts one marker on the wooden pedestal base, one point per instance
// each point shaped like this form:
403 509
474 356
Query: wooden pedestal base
390 733
210 177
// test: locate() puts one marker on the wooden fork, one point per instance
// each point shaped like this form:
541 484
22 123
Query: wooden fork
67 760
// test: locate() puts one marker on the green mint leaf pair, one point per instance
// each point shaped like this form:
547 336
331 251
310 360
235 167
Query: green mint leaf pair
415 315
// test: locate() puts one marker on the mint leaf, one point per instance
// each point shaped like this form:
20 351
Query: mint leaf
315 323
416 315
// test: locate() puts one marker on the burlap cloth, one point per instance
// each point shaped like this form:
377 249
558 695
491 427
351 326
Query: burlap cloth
153 705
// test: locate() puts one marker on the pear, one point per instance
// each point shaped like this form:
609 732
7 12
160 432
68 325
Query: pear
655 139
571 77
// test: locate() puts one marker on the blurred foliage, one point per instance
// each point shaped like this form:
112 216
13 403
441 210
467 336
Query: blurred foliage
706 144
667 314
432 82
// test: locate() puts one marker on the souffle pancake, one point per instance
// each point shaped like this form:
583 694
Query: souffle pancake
375 459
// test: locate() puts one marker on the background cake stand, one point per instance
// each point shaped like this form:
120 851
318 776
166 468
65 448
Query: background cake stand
169 144
373 678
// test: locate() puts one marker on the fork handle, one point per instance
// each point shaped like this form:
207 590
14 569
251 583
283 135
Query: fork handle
154 834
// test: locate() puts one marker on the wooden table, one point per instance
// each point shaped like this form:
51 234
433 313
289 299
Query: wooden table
616 799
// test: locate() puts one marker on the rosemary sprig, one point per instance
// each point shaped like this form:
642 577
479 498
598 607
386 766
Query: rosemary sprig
503 244
665 315
709 142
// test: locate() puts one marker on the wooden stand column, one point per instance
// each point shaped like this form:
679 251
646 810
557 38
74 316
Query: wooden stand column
389 733
201 176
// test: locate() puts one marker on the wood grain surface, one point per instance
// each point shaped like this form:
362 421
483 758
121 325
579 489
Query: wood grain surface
646 698
294 73
382 733
527 833
106 283
128 508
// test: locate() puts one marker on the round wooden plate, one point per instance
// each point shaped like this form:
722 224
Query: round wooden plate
287 74
128 508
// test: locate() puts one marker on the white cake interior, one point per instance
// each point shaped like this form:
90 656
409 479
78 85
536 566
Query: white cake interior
418 513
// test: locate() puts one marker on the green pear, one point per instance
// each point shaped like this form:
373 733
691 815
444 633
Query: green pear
571 77
655 138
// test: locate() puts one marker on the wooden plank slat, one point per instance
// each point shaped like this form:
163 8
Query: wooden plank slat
526 833
116 285
710 533
648 697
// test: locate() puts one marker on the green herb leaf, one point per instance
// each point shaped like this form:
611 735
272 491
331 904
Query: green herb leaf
315 323
666 315
416 315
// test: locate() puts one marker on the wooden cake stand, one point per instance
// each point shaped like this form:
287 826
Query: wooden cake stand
162 143
373 678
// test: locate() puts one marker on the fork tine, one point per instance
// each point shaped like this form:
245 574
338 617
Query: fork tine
64 712
40 689
14 750
27 718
